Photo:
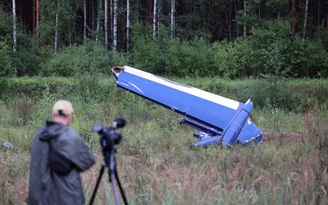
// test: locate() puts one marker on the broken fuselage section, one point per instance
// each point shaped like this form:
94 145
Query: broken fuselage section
219 120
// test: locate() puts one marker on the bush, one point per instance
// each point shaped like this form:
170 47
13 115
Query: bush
78 60
229 59
171 57
147 53
189 58
272 50
36 87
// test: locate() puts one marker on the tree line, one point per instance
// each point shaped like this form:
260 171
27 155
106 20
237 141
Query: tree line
43 28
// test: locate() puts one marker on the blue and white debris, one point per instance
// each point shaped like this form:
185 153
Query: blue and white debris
219 120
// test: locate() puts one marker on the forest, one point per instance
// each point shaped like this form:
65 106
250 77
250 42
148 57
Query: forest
227 38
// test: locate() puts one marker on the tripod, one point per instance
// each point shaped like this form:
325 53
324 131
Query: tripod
110 163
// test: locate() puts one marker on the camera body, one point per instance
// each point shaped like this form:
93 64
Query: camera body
109 137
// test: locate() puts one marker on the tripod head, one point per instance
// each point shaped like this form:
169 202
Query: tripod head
108 135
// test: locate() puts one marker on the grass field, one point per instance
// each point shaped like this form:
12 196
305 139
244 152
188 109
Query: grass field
156 164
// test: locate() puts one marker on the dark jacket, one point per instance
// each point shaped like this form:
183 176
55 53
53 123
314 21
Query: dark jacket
45 186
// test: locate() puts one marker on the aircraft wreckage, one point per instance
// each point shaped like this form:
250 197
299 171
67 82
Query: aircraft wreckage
219 120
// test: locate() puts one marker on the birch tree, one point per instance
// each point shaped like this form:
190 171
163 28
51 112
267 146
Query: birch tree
56 32
14 31
98 20
154 19
172 19
115 25
111 17
159 14
84 21
106 23
305 18
14 27
127 25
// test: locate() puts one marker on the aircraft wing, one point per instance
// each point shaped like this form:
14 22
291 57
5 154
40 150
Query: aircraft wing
220 120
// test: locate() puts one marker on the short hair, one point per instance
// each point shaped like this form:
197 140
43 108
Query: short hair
63 108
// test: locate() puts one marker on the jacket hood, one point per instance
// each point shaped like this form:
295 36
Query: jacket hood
51 130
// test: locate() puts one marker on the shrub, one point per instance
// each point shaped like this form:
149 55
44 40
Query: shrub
171 57
78 60
229 59
272 50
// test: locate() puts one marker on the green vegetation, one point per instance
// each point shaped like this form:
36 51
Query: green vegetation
284 74
271 49
155 162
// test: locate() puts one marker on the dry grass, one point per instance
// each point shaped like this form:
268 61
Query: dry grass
156 165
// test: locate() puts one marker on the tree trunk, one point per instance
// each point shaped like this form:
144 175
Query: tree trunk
154 18
245 24
305 18
115 25
14 31
150 7
127 25
99 13
84 21
159 14
93 17
14 27
36 15
172 19
56 34
111 18
319 13
230 21
293 12
106 24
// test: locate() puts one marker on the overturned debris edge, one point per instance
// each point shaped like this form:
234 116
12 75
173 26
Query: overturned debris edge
219 120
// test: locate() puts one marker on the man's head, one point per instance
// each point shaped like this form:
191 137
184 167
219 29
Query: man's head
62 112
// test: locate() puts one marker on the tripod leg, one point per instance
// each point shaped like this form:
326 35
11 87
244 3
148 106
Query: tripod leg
121 189
98 181
113 180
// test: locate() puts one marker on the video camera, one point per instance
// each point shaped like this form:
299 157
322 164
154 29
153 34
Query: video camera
108 135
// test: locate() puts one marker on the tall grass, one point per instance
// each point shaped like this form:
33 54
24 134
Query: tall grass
156 164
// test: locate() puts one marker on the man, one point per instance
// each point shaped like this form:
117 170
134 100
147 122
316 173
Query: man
58 155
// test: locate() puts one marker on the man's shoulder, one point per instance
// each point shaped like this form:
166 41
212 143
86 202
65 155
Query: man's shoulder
70 134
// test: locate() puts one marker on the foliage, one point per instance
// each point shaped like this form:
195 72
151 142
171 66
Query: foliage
76 60
267 48
22 62
192 58
272 50
272 47
147 54
66 13
36 87
196 57
269 91
230 59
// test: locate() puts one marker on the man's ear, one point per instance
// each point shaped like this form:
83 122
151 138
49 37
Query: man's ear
69 117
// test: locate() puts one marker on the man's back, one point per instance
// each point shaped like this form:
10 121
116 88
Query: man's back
46 186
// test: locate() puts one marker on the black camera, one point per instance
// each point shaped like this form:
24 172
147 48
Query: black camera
108 135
